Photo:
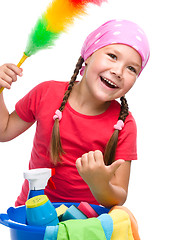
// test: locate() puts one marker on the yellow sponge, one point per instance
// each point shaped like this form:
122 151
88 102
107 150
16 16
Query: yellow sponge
61 210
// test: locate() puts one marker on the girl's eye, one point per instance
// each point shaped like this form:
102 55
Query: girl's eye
132 69
112 56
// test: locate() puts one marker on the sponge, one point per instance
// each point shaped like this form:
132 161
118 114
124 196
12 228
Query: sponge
61 210
87 210
73 213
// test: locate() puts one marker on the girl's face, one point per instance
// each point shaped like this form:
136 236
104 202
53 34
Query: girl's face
111 71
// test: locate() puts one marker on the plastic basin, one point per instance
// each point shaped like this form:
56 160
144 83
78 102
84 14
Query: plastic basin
15 219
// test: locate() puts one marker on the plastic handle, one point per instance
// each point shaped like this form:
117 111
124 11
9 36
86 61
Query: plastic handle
18 65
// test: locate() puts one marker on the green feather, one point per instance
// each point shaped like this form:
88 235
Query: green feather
40 38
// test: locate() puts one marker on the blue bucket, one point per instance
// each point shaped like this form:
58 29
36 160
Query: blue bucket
15 219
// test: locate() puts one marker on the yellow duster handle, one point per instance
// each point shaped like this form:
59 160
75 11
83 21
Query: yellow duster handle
18 65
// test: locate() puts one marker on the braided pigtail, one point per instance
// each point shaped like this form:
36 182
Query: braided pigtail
109 155
56 146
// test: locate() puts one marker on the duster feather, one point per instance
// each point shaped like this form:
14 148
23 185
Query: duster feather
59 15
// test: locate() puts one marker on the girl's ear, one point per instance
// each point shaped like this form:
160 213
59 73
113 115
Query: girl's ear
87 61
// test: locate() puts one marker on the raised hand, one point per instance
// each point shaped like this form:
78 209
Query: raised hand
93 170
8 74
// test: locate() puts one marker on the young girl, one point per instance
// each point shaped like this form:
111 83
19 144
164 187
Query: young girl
82 131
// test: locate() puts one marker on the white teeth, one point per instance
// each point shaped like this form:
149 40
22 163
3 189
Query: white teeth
111 83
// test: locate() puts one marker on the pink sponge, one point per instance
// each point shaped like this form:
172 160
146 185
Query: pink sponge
87 210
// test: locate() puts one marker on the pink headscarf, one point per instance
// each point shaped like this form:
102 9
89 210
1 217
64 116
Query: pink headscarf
114 31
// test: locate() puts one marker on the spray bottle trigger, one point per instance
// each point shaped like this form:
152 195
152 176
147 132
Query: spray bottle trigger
51 184
53 171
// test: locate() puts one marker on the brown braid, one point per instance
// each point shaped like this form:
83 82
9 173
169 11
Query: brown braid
71 83
56 146
110 151
124 109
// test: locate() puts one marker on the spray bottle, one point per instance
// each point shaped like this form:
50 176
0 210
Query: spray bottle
38 179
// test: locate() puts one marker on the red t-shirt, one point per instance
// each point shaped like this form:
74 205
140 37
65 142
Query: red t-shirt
79 134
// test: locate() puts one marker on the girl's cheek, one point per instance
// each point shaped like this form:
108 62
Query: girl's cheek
128 85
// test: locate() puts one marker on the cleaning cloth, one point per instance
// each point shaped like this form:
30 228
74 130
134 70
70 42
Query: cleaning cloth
88 229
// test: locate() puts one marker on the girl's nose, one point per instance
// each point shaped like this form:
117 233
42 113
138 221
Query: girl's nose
118 71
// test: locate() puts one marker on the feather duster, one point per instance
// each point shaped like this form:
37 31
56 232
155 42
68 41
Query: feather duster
59 15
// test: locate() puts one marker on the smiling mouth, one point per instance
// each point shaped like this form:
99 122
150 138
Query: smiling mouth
108 83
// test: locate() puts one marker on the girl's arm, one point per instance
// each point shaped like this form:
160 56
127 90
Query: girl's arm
108 184
11 125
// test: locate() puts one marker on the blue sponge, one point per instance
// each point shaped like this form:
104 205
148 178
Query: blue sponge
73 213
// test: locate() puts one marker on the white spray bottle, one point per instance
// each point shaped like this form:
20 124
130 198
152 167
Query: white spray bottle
38 179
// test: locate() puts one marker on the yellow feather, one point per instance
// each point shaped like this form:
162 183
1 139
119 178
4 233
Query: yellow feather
60 14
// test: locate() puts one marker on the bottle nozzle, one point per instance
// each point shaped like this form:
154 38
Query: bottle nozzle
38 178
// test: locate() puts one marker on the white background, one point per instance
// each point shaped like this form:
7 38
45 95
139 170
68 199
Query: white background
152 195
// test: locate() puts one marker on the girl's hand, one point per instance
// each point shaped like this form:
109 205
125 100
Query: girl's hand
93 170
8 74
